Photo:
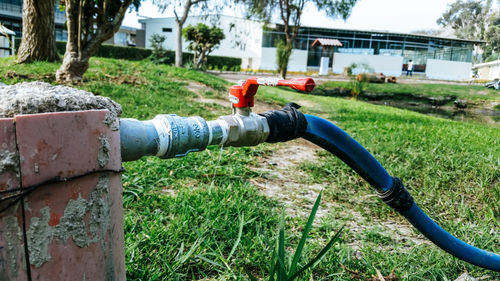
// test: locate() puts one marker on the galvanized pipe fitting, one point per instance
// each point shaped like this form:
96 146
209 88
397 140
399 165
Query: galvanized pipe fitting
169 136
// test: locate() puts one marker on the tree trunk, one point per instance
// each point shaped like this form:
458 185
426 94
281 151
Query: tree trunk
178 49
74 63
85 37
39 32
73 67
200 60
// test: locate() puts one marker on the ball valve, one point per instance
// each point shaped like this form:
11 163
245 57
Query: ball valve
169 135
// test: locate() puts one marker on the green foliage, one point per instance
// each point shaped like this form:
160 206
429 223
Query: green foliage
287 269
283 53
202 41
360 81
120 52
109 51
492 37
219 63
159 54
468 18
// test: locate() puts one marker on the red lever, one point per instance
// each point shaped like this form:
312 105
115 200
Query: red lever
244 94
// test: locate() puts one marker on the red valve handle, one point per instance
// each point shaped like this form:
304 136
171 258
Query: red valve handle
243 96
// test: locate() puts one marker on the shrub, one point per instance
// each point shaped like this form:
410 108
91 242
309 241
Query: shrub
134 53
283 53
202 41
159 54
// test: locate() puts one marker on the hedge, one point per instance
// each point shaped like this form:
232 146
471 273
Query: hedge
134 53
108 51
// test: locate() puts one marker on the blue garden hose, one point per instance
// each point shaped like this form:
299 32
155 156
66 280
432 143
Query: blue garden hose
330 137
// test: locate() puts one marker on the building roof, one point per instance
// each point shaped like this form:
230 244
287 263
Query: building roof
327 42
385 32
4 30
490 63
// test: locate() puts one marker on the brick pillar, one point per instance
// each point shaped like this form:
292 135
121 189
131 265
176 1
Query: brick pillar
68 223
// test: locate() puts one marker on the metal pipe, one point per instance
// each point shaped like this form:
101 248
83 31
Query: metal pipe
169 135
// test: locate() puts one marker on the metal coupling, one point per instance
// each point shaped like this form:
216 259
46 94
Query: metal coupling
245 128
180 135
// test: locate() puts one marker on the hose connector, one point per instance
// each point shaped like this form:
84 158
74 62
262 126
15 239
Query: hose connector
398 197
285 124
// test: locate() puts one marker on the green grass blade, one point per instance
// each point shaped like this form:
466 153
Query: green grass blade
317 257
272 272
250 275
214 263
238 239
305 233
193 248
281 248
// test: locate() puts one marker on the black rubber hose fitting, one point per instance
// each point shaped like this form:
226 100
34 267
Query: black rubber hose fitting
398 197
285 124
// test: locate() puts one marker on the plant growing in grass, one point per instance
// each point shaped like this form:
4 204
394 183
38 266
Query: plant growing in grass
358 82
282 268
202 41
159 54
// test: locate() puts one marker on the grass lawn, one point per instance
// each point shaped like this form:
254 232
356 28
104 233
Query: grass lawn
471 92
183 216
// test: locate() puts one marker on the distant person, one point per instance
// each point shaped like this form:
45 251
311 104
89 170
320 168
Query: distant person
409 69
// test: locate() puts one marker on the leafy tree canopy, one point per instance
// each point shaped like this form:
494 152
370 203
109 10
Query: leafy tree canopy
468 18
202 41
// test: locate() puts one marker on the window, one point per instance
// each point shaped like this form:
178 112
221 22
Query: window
167 29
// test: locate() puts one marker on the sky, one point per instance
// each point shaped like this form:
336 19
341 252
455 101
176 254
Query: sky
384 15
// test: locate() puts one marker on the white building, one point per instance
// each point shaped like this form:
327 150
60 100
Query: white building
386 52
488 70
243 37
125 36
6 42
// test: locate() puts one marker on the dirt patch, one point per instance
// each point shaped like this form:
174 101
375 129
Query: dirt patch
307 103
222 102
263 107
46 77
282 180
127 80
198 88
399 232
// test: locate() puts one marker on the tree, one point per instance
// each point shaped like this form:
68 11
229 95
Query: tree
290 13
38 42
185 6
468 18
90 23
492 37
202 41
159 54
